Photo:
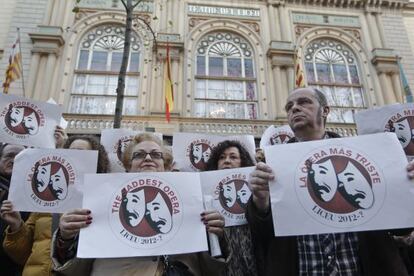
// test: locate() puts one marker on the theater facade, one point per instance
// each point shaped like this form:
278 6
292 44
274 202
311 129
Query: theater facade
233 62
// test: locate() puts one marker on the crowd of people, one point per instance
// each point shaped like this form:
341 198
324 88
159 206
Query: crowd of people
46 244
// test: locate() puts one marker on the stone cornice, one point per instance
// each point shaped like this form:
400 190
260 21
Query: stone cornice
281 53
367 4
385 61
47 39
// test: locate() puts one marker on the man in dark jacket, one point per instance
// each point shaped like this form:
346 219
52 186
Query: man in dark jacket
363 253
7 154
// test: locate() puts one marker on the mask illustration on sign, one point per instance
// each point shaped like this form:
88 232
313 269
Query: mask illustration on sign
403 131
50 181
355 188
323 179
279 139
229 194
135 207
22 120
243 195
159 215
121 146
199 155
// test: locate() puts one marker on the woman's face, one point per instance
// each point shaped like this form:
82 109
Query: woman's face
229 159
80 144
147 156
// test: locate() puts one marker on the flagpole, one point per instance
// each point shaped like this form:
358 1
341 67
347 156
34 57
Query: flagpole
21 53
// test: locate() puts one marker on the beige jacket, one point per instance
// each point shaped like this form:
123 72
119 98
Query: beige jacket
200 264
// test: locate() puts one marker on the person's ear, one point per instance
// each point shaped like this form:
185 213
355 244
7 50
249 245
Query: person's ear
325 111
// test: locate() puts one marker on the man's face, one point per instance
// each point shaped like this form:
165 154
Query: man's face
403 132
244 194
30 123
16 116
59 185
323 180
135 207
355 188
43 177
159 214
304 111
7 159
229 194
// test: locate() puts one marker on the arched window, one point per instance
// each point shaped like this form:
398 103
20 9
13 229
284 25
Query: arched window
97 69
332 67
225 81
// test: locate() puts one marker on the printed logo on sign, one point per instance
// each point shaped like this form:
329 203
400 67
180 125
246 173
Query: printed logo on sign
232 194
146 212
402 124
120 146
198 153
340 187
49 181
22 119
280 138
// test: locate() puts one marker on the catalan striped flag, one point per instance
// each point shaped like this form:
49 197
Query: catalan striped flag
169 89
14 69
406 87
299 76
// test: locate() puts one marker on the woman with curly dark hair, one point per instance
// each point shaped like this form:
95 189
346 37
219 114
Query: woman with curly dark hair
230 155
89 142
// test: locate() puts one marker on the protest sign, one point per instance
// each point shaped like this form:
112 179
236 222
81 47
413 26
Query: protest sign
230 192
398 118
340 185
28 122
50 180
115 141
191 151
276 135
142 214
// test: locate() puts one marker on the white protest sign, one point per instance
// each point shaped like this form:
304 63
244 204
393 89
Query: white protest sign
142 214
50 180
398 118
276 135
230 192
191 151
340 185
115 141
28 122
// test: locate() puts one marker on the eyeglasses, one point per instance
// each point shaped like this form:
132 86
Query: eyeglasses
156 155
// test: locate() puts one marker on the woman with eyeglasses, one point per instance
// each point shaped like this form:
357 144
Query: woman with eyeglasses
145 153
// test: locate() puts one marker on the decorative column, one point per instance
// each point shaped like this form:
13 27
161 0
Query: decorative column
47 42
396 84
273 22
282 58
286 33
386 64
373 31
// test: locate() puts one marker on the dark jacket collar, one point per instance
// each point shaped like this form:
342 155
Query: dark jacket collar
330 134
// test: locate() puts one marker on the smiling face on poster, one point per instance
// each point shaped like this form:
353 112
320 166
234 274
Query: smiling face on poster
340 185
50 180
230 192
145 215
276 135
397 118
115 141
27 122
192 151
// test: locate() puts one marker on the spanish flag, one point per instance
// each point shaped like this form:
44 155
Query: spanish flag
299 76
14 69
169 89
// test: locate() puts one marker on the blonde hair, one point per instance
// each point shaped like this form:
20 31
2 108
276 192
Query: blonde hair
126 157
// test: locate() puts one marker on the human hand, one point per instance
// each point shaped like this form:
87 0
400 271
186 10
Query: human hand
12 218
60 136
72 222
214 222
259 185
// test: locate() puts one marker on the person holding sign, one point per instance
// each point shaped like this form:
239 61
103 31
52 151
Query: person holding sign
231 155
28 243
145 153
352 253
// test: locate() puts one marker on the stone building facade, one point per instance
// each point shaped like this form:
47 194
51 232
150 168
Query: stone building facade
233 62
